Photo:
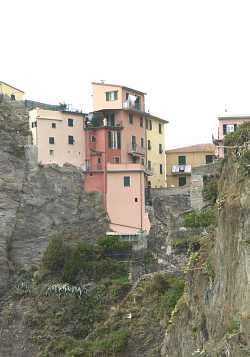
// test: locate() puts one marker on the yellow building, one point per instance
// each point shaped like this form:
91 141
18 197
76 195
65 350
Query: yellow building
155 136
12 92
180 161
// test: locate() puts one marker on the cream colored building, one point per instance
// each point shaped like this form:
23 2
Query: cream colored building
180 161
155 139
12 92
58 135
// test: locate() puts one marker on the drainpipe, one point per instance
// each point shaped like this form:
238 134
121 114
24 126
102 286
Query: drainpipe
141 197
105 169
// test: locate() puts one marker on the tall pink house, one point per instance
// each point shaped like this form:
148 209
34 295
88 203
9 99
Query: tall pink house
228 124
115 141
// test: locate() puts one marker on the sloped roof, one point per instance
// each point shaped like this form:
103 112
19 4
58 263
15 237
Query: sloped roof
118 85
1 82
193 148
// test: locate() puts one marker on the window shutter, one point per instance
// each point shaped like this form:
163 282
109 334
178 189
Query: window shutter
235 127
224 129
118 140
109 139
107 96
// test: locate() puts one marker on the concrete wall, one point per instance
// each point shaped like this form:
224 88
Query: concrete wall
157 180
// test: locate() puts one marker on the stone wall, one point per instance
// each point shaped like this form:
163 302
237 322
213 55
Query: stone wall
197 201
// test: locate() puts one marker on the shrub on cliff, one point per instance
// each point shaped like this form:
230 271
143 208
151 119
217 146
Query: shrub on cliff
54 256
239 136
199 219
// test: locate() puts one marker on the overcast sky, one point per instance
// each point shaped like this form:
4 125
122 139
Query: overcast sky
191 57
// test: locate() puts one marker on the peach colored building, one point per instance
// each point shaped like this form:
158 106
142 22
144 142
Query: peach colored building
126 198
58 135
227 124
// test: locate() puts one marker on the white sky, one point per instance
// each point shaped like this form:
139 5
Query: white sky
192 57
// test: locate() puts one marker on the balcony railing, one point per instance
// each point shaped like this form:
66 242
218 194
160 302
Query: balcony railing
134 106
181 169
135 149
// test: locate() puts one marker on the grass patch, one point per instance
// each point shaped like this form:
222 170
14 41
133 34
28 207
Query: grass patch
200 219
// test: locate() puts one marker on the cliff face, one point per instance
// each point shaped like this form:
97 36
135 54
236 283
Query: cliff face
213 317
35 201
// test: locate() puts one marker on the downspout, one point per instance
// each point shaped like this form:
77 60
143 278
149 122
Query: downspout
105 169
141 197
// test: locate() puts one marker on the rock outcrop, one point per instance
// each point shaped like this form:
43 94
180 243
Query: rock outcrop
36 201
213 317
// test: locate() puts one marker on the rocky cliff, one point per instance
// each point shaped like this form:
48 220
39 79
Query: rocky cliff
213 316
36 201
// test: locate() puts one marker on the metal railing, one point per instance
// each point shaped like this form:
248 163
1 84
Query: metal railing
181 169
135 149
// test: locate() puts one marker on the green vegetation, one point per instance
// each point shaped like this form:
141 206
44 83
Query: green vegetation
169 298
85 261
234 326
114 343
210 190
239 136
200 219
208 269
189 243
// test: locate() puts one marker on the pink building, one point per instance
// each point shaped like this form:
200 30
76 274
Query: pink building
227 124
115 146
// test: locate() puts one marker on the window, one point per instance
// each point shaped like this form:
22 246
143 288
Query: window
146 123
114 139
149 165
142 142
51 152
93 139
53 125
130 118
70 122
111 119
12 97
136 199
116 160
141 122
160 129
71 140
150 124
161 169
209 159
51 140
182 180
142 161
160 149
99 160
229 128
181 160
111 96
34 124
149 145
133 141
126 181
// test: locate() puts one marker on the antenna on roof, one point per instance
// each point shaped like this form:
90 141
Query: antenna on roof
102 81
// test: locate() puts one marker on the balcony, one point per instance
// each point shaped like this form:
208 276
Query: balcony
134 106
102 119
136 150
181 169
149 171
